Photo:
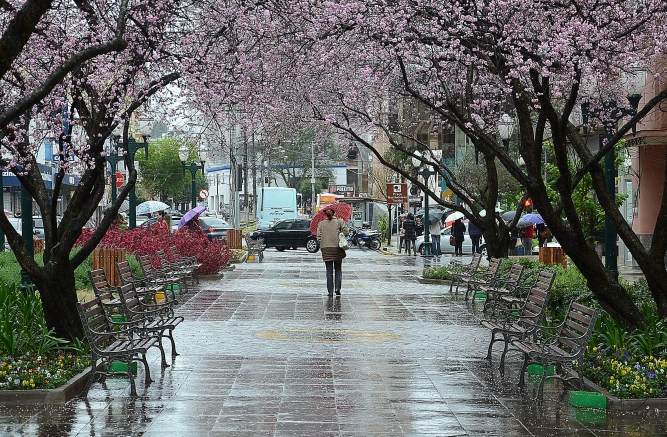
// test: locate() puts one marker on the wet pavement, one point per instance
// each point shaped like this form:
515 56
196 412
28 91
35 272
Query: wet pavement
265 352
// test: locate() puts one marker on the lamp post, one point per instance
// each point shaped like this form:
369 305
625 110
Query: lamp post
506 129
183 153
132 148
634 84
113 158
418 161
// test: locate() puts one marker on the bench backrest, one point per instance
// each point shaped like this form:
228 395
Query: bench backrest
124 272
146 266
576 329
537 299
101 287
93 319
513 278
494 266
129 297
474 263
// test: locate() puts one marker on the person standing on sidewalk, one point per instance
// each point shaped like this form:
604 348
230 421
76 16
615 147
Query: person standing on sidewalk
435 229
328 232
458 232
410 228
527 234
475 235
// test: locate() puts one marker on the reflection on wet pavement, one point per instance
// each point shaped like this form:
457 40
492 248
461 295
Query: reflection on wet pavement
264 351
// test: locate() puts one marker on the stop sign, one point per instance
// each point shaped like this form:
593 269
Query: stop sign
119 179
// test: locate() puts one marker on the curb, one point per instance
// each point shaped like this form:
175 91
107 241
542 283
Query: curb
213 276
60 395
423 280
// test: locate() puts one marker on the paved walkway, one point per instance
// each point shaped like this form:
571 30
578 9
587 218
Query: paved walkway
265 352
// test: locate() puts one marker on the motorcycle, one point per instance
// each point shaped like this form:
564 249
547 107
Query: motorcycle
364 238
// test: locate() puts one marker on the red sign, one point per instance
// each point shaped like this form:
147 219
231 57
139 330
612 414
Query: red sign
119 179
397 194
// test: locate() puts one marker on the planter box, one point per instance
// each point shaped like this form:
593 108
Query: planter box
587 399
538 369
60 395
625 405
120 368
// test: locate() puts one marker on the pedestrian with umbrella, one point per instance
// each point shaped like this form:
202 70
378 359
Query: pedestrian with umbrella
410 228
330 232
527 225
435 228
475 235
458 233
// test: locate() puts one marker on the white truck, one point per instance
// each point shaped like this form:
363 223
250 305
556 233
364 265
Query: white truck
275 204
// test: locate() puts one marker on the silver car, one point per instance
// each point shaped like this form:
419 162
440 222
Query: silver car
445 247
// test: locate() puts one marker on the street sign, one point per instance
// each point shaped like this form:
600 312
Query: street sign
344 190
203 194
397 194
119 179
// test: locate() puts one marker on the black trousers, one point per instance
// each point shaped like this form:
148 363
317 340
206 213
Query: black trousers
475 243
331 267
458 247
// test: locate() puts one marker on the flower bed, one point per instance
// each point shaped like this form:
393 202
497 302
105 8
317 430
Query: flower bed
628 377
213 255
30 372
442 273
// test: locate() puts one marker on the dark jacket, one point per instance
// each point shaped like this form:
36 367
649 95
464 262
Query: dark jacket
459 230
410 228
473 230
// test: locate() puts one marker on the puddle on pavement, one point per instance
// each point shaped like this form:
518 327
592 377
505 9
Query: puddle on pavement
316 335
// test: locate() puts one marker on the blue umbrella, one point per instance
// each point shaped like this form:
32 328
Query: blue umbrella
191 215
530 220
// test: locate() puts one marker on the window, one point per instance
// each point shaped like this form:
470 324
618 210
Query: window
282 226
301 224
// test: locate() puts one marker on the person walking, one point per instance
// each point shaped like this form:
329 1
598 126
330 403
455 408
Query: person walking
434 230
410 228
163 222
527 234
401 235
476 236
328 232
458 232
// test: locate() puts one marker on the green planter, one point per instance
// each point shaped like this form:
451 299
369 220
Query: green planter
479 295
587 399
120 368
538 370
116 319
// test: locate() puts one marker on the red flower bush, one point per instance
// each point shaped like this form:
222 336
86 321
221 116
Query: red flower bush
213 255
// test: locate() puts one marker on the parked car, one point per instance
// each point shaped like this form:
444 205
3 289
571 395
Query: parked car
214 227
445 247
289 234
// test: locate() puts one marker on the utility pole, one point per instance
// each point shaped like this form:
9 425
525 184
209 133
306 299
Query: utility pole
312 176
254 175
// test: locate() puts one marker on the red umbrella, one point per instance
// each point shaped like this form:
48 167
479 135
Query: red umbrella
343 211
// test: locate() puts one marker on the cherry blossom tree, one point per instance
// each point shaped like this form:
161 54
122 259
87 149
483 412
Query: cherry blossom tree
77 71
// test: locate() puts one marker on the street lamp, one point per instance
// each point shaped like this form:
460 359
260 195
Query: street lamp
132 148
506 129
423 169
113 158
634 82
183 153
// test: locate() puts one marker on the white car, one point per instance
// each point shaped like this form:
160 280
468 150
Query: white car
445 247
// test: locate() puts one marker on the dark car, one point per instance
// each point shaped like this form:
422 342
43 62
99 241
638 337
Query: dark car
214 227
288 234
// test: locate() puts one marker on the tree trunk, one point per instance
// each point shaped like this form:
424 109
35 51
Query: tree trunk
497 244
656 278
58 293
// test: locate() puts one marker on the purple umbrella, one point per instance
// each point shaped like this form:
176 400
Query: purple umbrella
530 220
191 215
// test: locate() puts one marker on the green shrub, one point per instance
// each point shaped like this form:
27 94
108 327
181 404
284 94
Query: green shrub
438 273
134 266
383 226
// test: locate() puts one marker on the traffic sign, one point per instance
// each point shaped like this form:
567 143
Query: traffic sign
397 194
203 194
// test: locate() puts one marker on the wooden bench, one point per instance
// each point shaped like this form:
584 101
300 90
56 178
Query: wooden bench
507 285
508 327
487 278
107 344
566 348
158 277
255 247
544 281
187 273
150 319
466 272
126 277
